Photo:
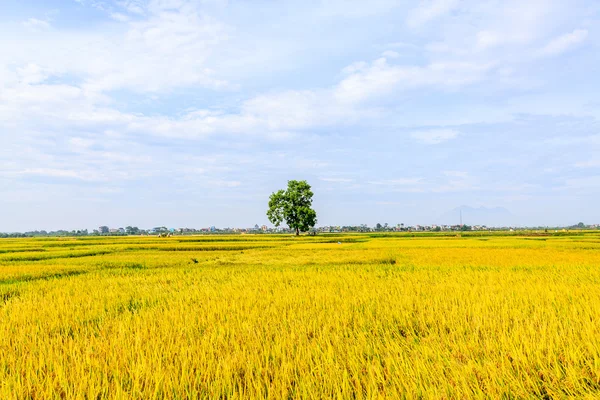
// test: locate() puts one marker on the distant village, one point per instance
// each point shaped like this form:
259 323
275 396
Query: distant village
104 230
163 231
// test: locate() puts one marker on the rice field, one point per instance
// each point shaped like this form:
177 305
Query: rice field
346 316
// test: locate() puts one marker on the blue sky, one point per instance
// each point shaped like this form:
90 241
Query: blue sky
190 113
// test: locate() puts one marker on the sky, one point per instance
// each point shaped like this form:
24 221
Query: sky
191 113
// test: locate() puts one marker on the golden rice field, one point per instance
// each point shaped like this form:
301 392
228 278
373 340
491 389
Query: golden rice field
280 317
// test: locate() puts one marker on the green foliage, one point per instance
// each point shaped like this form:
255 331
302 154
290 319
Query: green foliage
293 206
132 230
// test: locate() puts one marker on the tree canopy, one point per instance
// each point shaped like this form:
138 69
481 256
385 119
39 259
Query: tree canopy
293 206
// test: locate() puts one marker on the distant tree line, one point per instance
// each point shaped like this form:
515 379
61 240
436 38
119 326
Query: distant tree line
134 230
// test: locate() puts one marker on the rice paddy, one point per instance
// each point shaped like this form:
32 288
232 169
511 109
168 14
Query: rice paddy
346 316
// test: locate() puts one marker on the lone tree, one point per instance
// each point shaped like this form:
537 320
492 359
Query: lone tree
294 206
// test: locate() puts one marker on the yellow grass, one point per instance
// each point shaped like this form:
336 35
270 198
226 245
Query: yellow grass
280 317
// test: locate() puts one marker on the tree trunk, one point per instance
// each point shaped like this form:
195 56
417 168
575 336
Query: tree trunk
297 232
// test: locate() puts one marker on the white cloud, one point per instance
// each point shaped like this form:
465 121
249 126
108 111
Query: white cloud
224 183
35 24
119 17
133 6
429 10
289 109
62 173
163 50
486 39
477 30
277 116
31 74
380 78
390 54
434 136
565 42
168 45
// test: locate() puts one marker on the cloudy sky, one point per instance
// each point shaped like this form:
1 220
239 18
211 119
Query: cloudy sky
190 113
